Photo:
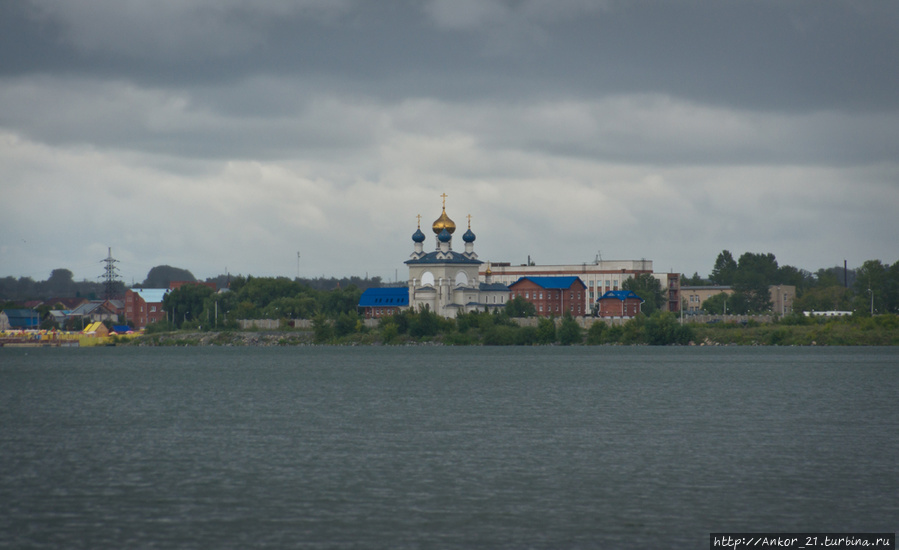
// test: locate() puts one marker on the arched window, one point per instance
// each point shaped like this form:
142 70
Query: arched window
461 279
427 279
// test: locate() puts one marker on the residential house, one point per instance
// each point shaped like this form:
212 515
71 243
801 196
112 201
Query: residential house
381 302
619 303
552 296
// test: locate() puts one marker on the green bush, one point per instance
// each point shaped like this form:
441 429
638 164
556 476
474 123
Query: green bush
546 330
595 333
526 336
499 335
569 331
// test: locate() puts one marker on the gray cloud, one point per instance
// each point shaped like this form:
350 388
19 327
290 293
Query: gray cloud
748 54
659 130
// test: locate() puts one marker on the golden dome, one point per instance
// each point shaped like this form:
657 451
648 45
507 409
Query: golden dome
444 222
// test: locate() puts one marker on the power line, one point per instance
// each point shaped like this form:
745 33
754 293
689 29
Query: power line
110 276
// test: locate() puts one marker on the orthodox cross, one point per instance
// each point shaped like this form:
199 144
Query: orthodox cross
444 200
469 220
419 220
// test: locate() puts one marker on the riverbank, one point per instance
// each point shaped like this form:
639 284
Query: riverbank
866 332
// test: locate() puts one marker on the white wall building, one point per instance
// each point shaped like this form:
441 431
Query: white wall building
447 281
600 277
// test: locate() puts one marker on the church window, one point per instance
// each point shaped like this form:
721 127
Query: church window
427 279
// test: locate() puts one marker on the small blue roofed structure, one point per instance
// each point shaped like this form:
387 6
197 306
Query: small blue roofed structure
619 303
622 295
380 302
22 319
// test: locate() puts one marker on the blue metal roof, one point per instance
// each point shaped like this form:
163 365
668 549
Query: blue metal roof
552 282
151 295
454 258
499 287
385 297
621 295
23 318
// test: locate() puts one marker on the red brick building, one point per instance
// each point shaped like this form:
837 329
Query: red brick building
144 306
382 302
619 303
552 296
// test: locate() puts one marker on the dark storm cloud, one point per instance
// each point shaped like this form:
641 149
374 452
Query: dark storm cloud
755 54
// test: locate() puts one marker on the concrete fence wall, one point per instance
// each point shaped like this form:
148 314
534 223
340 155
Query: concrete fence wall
584 322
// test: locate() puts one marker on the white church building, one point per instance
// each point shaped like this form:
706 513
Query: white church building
447 281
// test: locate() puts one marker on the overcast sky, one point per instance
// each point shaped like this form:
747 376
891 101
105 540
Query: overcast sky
229 135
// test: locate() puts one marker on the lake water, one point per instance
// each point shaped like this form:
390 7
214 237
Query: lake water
439 447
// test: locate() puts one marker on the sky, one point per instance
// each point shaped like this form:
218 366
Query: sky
304 137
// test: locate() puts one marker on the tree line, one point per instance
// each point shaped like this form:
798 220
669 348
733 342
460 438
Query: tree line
874 285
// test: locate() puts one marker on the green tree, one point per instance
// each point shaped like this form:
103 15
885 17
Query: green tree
187 303
724 270
873 285
663 329
546 330
595 333
499 335
615 333
729 304
569 331
389 333
827 298
162 276
322 329
716 304
695 280
425 323
755 273
633 331
526 336
341 300
346 323
789 275
518 307
647 287
61 283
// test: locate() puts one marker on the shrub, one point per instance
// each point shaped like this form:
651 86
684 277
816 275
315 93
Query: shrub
546 330
569 331
595 333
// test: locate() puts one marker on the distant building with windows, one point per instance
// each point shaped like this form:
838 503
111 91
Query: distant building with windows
552 296
381 302
619 303
447 281
144 306
781 296
600 277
